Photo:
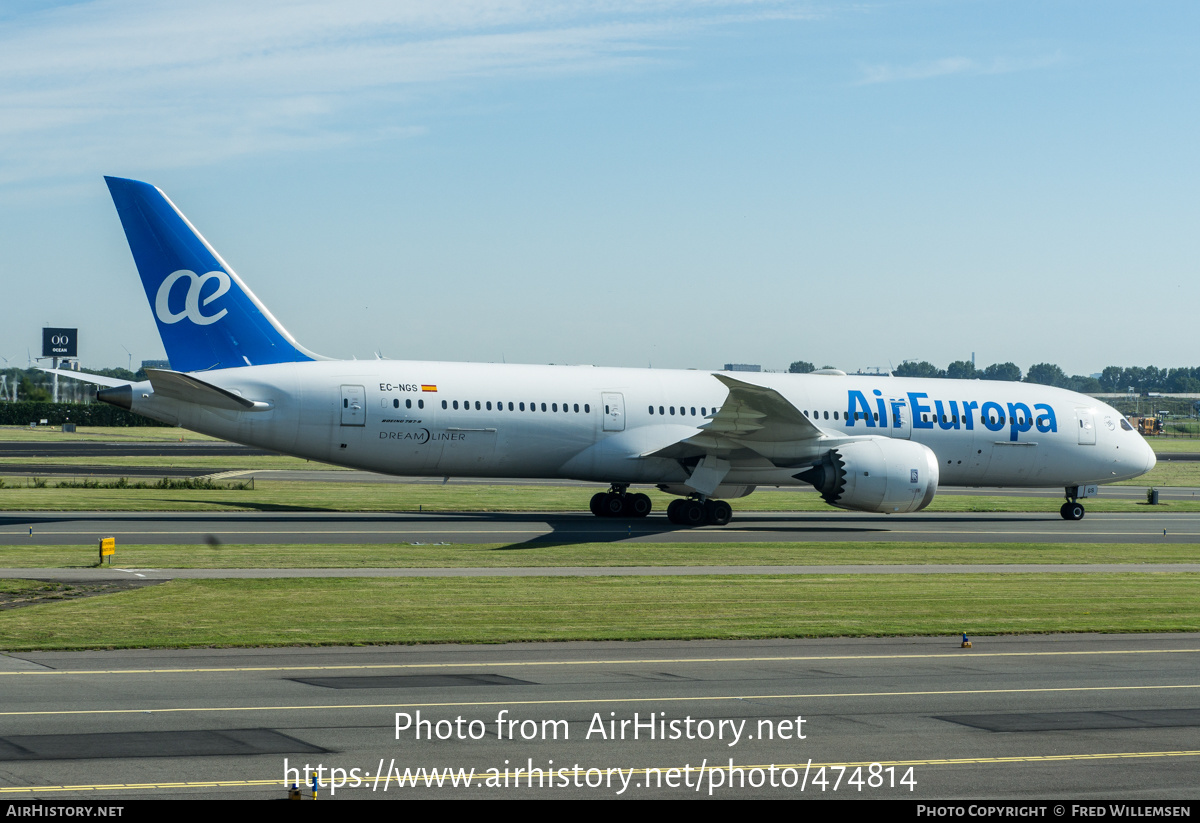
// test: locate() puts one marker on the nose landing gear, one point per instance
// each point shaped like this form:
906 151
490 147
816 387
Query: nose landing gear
1072 509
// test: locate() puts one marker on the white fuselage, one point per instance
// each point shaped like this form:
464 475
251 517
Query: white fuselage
601 424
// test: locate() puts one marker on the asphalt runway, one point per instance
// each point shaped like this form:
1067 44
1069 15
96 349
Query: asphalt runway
1066 717
317 528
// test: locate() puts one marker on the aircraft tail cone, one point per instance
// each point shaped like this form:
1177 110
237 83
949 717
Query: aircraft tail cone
120 396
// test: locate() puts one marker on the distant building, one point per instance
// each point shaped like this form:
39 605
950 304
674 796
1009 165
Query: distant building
742 367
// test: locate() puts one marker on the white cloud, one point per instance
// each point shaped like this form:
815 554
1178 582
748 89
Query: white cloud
114 83
953 65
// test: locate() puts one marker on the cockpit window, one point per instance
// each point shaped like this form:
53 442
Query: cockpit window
1125 425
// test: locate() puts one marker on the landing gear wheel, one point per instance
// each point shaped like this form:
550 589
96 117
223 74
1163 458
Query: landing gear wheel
718 512
691 513
673 511
639 504
597 504
614 505
1071 511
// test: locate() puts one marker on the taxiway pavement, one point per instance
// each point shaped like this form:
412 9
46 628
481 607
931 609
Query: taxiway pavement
1044 717
316 528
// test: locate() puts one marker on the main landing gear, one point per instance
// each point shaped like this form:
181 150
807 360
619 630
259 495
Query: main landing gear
1072 509
693 511
617 503
696 512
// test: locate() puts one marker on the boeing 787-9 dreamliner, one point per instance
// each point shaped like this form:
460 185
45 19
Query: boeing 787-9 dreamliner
867 443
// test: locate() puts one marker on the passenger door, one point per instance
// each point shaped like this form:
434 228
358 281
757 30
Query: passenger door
354 406
614 411
1087 427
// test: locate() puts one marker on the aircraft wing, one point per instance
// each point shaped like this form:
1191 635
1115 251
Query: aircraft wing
757 413
751 415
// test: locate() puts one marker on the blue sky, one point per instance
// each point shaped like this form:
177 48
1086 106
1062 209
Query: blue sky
666 183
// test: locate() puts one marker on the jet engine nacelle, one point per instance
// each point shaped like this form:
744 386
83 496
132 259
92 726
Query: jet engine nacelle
876 475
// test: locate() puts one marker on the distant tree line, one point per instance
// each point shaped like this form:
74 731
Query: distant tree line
34 385
1112 379
22 413
1123 378
804 367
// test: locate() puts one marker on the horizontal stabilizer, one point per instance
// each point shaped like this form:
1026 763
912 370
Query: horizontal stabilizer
189 389
97 379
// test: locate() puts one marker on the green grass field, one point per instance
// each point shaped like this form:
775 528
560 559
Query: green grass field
489 609
209 463
497 610
126 434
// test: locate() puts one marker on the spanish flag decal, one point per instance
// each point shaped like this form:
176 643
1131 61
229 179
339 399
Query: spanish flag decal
427 387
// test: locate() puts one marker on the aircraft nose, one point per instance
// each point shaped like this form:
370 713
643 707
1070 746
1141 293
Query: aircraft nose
1151 458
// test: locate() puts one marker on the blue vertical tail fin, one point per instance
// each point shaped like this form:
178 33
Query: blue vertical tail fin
207 317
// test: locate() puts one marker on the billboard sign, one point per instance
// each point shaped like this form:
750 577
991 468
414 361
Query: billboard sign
60 342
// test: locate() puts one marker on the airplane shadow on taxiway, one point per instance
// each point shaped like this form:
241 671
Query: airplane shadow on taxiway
572 530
